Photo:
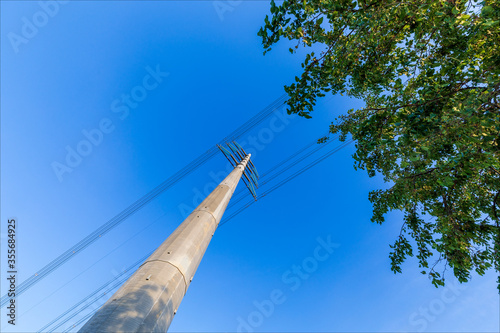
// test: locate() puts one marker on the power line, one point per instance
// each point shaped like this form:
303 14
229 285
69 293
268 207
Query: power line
241 209
264 179
285 165
286 180
130 210
97 294
82 320
102 258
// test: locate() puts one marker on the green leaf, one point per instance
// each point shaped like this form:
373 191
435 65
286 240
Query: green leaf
427 73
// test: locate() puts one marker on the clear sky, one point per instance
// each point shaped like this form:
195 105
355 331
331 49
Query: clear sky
195 71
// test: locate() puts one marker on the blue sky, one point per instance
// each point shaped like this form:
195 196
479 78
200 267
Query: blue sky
68 76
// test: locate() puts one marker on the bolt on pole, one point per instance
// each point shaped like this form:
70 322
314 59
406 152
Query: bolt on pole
150 298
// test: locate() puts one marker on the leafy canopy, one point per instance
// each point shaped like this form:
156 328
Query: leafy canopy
429 74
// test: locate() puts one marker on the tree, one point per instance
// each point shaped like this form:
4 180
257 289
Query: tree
428 72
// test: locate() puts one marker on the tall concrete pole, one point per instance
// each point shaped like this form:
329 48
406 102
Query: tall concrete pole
149 299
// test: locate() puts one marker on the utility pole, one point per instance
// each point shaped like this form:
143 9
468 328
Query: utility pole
149 299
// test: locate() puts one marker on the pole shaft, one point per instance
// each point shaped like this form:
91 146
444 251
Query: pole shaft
149 299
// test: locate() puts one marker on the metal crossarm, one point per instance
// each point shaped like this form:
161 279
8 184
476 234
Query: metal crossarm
252 167
234 153
228 155
252 172
254 179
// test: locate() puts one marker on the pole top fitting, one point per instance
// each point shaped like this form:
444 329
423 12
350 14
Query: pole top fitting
236 153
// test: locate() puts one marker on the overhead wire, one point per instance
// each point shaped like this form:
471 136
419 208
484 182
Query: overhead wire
286 180
267 192
263 175
138 204
96 262
80 321
282 167
94 296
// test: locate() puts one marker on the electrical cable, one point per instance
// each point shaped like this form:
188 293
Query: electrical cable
282 167
241 209
130 210
286 180
98 293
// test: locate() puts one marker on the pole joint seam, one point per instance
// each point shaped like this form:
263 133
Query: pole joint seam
168 262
